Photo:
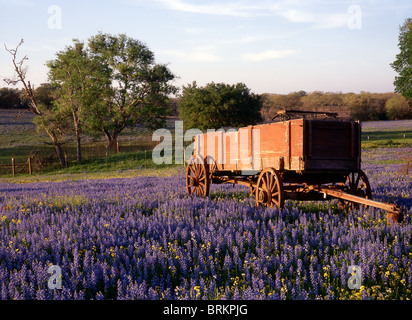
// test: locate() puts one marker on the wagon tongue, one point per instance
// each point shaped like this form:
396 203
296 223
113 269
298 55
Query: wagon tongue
394 213
394 216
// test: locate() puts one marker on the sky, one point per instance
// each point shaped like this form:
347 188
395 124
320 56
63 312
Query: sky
272 46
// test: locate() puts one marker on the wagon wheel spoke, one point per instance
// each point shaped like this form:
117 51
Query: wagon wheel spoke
264 182
275 194
275 198
198 191
268 179
264 185
192 170
273 185
358 176
197 173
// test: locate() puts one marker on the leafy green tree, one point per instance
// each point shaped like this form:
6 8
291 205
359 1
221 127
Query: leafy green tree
218 105
313 101
139 87
403 63
271 103
367 106
80 82
398 108
45 94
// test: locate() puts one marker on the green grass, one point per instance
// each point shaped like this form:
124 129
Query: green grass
123 164
115 162
387 134
55 176
387 139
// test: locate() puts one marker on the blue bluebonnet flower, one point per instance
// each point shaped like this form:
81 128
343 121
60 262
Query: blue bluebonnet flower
145 238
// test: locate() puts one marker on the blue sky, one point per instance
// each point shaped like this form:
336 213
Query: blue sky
276 46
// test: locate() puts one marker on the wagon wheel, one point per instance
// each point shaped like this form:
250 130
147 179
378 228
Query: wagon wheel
197 177
269 189
356 183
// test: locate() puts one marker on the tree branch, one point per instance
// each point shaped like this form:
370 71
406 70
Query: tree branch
21 77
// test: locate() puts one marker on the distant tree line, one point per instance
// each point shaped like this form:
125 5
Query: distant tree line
364 106
12 98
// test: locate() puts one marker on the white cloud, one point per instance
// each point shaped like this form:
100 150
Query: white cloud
318 19
317 13
194 30
268 55
252 39
219 8
199 54
18 3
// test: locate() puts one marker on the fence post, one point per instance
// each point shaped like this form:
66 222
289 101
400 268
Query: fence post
117 147
13 166
29 160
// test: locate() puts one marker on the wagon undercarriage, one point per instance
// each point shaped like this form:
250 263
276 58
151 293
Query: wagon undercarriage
271 187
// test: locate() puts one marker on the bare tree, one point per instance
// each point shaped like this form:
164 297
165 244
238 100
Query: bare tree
20 76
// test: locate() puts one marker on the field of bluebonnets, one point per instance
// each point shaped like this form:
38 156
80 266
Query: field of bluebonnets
145 238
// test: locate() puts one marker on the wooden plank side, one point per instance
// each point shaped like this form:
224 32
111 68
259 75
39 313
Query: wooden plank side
296 145
281 145
277 145
231 157
274 144
331 140
331 145
255 148
245 142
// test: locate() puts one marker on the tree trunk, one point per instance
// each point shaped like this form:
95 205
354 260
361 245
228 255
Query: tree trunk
112 143
60 155
58 148
111 139
77 131
78 149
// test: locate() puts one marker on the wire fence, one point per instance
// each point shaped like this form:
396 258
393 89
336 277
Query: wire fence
15 168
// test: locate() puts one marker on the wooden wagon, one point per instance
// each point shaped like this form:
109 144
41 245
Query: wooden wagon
299 159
